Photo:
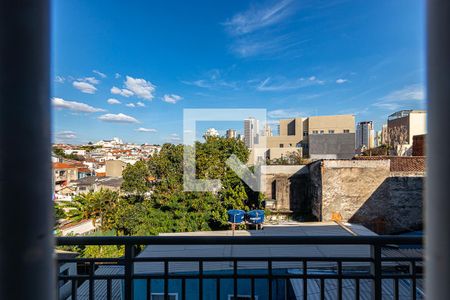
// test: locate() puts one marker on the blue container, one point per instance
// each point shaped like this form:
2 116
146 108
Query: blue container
255 216
236 216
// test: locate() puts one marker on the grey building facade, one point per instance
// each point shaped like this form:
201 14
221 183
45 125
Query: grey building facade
332 146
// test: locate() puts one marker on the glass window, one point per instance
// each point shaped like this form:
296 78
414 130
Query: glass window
330 131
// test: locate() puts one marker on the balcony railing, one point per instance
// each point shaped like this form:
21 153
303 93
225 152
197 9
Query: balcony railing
390 268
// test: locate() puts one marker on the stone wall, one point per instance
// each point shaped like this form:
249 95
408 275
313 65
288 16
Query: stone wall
368 193
283 183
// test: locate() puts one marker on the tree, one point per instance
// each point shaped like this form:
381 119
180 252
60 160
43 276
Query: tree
169 208
59 213
93 206
136 179
80 208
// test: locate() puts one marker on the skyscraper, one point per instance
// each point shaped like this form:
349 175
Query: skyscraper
251 131
365 134
231 134
267 130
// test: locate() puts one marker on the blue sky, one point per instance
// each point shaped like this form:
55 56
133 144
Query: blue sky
293 58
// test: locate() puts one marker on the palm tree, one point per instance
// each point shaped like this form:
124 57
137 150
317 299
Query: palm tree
80 208
93 205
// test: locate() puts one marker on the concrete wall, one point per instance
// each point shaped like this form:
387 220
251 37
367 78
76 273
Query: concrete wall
417 124
114 168
284 184
368 193
338 123
274 153
332 146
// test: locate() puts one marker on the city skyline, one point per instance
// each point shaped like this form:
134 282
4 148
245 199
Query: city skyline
295 60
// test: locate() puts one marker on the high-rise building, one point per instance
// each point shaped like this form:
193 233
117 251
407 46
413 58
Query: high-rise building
231 134
377 138
384 134
267 130
365 135
251 132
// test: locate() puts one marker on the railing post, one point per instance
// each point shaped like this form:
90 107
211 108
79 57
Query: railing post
375 254
129 270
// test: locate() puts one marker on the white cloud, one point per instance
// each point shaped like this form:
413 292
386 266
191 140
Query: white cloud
387 105
66 135
257 18
91 80
172 98
173 138
121 92
74 106
113 101
140 104
282 84
396 99
117 75
142 129
118 118
213 79
284 113
140 87
102 75
130 105
84 87
411 92
341 80
260 30
59 79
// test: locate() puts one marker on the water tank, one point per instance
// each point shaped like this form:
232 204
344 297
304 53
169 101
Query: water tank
236 216
255 216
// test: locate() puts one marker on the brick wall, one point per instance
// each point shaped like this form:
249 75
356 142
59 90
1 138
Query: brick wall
414 164
418 148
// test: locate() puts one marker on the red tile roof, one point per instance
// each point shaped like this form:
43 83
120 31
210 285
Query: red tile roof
58 165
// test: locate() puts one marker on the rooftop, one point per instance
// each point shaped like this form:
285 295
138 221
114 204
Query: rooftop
103 180
285 229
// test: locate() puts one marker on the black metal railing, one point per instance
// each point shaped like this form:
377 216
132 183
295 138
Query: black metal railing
391 267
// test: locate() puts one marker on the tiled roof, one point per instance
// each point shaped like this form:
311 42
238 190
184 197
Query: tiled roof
58 165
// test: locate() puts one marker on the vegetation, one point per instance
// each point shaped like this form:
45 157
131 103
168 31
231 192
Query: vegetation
152 198
60 152
292 158
377 151
96 206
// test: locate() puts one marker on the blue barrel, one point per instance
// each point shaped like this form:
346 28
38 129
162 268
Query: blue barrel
255 216
236 216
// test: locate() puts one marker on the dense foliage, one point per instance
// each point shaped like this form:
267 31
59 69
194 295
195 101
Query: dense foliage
152 198
60 152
